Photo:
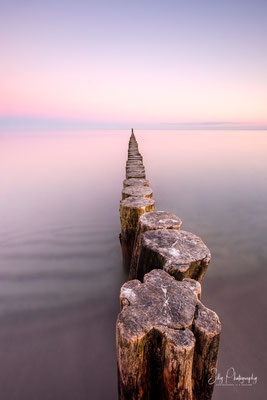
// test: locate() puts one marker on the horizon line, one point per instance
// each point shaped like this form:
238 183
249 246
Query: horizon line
15 123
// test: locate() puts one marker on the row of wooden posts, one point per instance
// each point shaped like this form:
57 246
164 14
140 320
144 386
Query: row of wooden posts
167 340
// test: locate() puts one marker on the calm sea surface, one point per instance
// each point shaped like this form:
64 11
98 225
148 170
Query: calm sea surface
60 261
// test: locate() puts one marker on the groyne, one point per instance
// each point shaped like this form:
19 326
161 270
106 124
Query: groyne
167 340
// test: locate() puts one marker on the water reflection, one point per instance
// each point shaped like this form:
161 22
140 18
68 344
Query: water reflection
60 267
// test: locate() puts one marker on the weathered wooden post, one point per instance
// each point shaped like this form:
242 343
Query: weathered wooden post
206 351
182 254
134 162
148 222
135 174
134 168
137 191
134 156
157 348
131 209
135 182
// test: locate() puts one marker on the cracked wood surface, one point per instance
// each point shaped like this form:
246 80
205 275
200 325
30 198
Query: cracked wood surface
135 182
160 333
182 254
137 191
147 222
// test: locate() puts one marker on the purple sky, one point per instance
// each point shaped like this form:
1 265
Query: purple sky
100 64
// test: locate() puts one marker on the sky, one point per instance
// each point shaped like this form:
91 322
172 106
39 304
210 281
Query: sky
173 64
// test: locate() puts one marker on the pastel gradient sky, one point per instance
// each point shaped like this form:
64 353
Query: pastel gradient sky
141 63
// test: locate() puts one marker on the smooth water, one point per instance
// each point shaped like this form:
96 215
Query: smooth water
60 261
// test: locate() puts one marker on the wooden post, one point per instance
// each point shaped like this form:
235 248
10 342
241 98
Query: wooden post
131 209
137 191
135 157
206 351
148 222
135 163
135 182
138 167
135 174
155 342
180 253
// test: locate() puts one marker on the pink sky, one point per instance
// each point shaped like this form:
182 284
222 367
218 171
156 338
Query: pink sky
88 64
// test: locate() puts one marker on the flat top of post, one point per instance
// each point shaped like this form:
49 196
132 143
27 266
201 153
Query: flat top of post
137 202
137 190
177 247
159 301
160 220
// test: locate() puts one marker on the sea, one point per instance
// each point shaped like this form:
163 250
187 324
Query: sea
60 258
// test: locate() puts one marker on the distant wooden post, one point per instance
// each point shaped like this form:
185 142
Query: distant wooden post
131 209
135 182
137 191
135 174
